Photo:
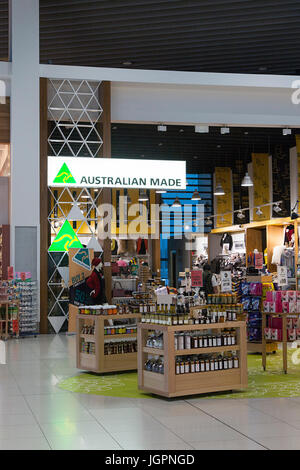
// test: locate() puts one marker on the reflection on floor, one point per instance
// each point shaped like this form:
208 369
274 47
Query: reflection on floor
36 414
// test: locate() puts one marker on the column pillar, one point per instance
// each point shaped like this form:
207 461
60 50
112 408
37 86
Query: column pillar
25 138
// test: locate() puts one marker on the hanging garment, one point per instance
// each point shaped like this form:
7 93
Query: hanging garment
226 239
288 233
114 246
96 283
142 246
277 253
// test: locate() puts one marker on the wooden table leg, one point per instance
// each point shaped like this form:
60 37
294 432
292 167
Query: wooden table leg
284 344
263 341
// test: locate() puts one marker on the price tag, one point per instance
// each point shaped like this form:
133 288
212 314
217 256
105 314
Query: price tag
282 276
259 260
226 283
197 278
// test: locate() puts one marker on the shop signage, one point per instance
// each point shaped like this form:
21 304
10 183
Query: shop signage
259 260
226 284
65 239
82 258
197 278
282 276
116 173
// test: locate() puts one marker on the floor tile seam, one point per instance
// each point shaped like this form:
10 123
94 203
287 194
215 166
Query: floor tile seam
233 429
97 421
275 417
37 422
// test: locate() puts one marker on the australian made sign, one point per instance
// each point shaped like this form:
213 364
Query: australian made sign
116 173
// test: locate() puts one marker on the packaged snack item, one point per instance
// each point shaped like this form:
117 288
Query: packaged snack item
298 307
268 333
246 301
245 288
292 307
295 322
291 334
298 295
289 323
274 334
278 295
266 306
298 333
292 296
284 296
255 303
285 307
270 296
278 306
273 307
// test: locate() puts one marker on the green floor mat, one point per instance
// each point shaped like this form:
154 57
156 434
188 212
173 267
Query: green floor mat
272 383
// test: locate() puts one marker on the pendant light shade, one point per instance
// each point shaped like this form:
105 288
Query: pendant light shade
176 203
247 181
240 214
219 191
196 196
143 196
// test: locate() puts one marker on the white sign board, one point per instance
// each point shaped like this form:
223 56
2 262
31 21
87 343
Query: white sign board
282 276
116 173
226 283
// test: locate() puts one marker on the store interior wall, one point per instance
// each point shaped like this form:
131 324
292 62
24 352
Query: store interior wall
4 200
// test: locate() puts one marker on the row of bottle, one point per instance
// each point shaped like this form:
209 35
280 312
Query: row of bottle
222 298
87 347
120 347
88 330
155 365
210 364
190 340
206 317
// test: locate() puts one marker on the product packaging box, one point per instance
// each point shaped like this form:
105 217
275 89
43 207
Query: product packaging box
266 306
270 296
292 307
285 307
284 296
268 333
255 303
291 334
298 333
276 323
292 296
289 323
273 307
275 334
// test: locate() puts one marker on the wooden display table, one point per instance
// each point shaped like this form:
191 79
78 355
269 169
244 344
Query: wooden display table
171 385
284 340
98 362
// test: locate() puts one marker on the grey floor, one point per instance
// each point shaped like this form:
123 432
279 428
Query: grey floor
36 414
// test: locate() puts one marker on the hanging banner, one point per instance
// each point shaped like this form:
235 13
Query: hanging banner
282 276
226 283
261 185
224 204
197 278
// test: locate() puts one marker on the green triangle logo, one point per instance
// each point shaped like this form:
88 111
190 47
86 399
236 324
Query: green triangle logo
64 175
65 239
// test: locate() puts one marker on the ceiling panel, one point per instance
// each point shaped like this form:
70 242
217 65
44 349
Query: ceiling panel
242 36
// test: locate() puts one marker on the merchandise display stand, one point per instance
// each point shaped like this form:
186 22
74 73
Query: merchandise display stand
97 361
5 330
169 384
284 340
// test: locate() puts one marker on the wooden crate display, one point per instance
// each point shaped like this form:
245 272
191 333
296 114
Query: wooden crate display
98 362
171 385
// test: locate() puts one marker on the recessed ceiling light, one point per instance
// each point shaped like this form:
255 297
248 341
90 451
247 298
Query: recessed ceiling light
160 144
218 146
127 62
262 69
181 130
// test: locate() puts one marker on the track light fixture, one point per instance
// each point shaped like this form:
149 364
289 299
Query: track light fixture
259 212
161 191
162 128
294 215
277 208
202 129
176 203
240 214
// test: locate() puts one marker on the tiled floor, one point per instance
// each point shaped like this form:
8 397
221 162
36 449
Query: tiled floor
36 414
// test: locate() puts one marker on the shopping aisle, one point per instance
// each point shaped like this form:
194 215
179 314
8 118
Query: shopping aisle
36 414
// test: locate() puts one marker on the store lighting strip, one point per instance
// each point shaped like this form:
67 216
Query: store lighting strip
244 209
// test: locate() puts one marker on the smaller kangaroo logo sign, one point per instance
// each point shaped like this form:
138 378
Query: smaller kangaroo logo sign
82 258
64 175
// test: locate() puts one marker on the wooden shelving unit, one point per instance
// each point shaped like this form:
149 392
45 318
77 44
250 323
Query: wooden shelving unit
171 385
4 332
99 362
